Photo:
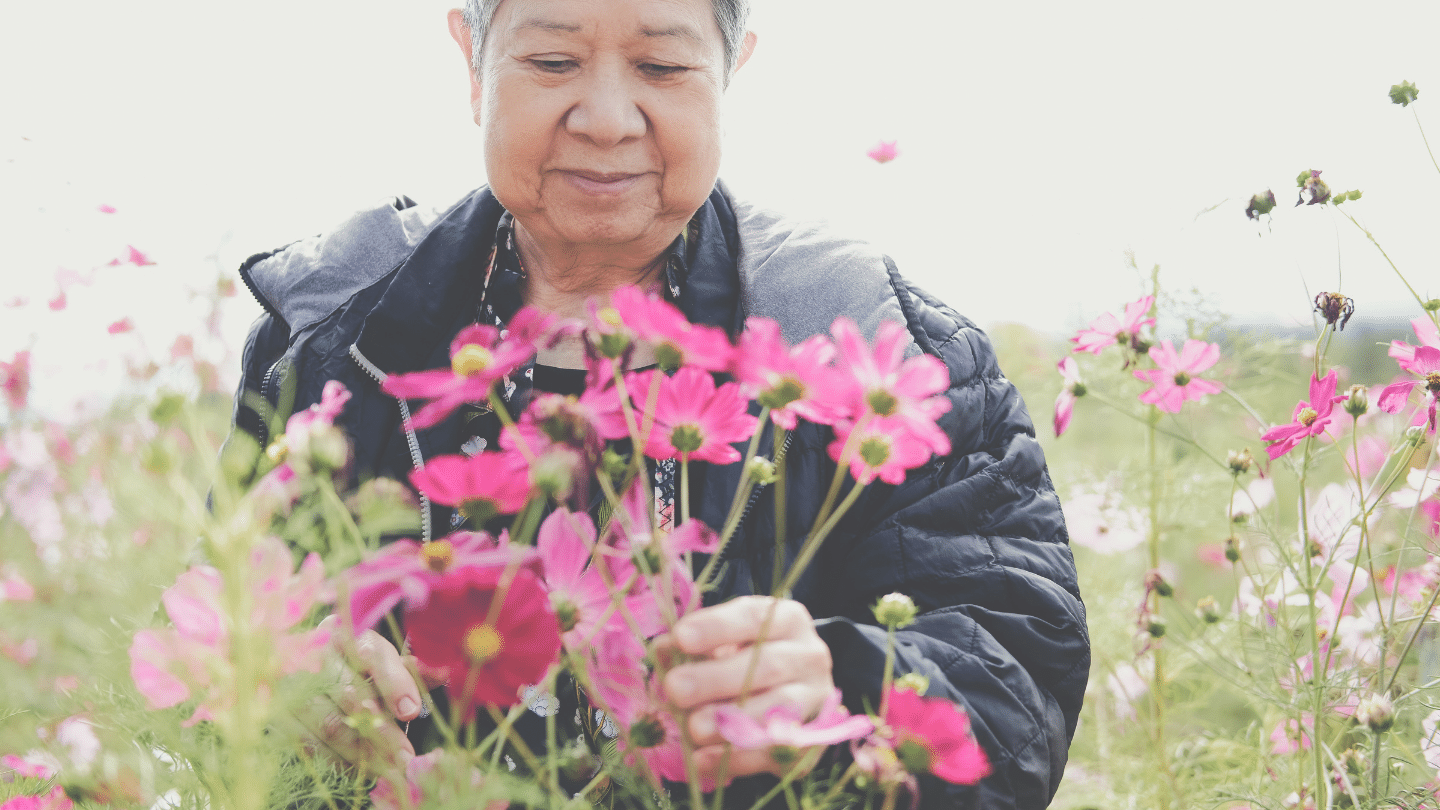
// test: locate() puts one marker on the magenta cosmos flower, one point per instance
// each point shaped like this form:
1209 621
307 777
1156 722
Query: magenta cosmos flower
479 356
1426 365
56 799
481 486
578 592
1309 419
933 735
883 447
631 539
692 418
1425 332
1073 388
785 727
1108 330
794 383
408 571
491 629
1174 380
676 341
170 665
886 383
883 152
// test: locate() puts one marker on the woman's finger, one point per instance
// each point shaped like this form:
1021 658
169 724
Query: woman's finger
779 662
806 698
738 622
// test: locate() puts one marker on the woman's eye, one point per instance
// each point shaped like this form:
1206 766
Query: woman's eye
652 69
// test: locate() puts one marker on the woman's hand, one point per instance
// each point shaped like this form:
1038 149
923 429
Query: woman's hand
794 667
357 723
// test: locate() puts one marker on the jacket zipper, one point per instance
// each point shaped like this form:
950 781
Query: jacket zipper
750 504
410 439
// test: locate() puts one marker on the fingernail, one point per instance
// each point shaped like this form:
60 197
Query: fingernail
406 706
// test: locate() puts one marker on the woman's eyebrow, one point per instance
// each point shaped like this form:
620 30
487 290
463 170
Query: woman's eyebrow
548 25
677 30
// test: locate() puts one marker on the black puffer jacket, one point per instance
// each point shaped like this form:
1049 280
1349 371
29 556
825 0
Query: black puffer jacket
976 538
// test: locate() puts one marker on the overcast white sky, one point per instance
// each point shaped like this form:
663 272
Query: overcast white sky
1039 142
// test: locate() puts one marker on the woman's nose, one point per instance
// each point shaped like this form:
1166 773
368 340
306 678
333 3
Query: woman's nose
607 111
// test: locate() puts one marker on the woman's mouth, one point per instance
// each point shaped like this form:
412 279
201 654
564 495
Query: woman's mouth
601 183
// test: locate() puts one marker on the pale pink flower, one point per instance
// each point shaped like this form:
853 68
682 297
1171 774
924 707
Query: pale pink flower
617 681
121 326
17 302
795 383
888 384
135 257
1175 379
1425 333
1073 387
785 726
1108 330
692 418
420 772
65 278
408 571
1099 521
1420 484
1128 683
883 152
1309 419
15 379
1373 451
676 341
182 348
566 545
479 356
28 767
1425 364
630 538
15 589
21 652
1291 736
170 666
1255 496
58 302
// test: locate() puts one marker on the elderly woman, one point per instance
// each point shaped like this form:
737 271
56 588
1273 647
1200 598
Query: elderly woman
600 125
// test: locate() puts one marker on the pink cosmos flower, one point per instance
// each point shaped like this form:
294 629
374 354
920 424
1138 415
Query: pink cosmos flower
183 347
27 768
56 799
121 326
883 447
481 486
1425 364
888 384
17 302
479 356
883 152
58 302
566 544
169 665
1107 330
676 341
105 208
630 538
15 379
1370 459
785 727
798 383
65 278
617 678
489 654
1309 419
422 769
15 589
1427 335
1290 736
933 735
692 419
652 734
1175 381
1065 403
408 571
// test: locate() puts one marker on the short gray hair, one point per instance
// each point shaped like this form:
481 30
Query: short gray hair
730 15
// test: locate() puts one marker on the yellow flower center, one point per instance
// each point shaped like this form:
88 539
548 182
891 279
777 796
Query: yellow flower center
1432 382
438 555
471 360
610 317
1307 417
482 643
278 449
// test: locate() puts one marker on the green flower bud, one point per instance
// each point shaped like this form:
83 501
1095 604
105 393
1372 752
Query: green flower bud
1375 711
614 464
1433 305
1208 610
761 470
1155 581
895 610
1232 549
1155 627
1357 401
913 682
1403 94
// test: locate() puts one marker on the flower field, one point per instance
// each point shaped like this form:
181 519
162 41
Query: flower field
1254 516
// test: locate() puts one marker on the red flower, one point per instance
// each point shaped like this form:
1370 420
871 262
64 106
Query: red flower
794 383
489 653
1107 330
1175 379
479 356
676 341
933 734
1309 419
481 486
692 418
1426 364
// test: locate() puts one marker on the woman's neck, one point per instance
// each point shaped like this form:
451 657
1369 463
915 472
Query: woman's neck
561 279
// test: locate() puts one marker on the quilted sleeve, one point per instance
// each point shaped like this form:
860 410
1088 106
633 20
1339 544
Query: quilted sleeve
977 539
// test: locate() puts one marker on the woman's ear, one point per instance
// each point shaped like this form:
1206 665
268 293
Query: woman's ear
460 32
747 47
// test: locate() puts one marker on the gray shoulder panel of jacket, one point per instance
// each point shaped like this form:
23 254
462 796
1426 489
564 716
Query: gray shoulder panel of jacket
313 277
804 276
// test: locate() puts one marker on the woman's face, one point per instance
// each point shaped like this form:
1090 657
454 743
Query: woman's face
601 118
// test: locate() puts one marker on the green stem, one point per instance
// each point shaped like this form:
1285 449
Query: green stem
888 677
1388 261
1426 140
812 543
1153 548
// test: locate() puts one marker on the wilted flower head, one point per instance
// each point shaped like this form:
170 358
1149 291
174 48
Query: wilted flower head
1376 711
1403 93
1310 183
1336 308
1240 461
1262 203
